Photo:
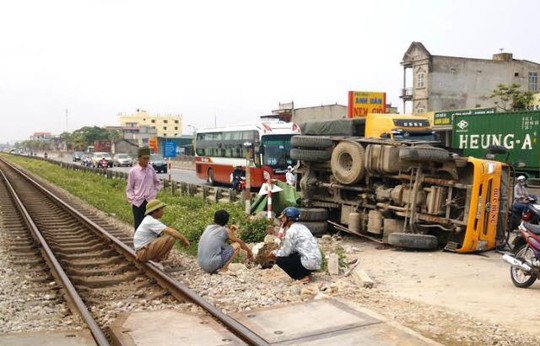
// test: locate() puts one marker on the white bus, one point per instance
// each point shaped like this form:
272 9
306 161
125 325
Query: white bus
219 151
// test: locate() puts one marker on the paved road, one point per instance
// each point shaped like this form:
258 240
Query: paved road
186 174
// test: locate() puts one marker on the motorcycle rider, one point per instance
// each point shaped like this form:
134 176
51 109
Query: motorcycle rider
236 178
521 196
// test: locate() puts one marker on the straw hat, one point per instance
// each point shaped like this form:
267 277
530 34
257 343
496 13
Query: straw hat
153 205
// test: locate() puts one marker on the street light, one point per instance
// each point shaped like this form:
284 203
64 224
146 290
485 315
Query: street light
193 127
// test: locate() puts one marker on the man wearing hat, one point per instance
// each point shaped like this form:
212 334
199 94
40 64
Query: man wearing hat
290 176
153 240
521 195
299 254
142 185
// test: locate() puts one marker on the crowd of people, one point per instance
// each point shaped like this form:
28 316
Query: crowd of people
298 255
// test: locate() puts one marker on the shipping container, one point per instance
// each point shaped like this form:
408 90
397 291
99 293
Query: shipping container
518 132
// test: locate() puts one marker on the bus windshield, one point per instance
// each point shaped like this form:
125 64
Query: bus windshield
276 151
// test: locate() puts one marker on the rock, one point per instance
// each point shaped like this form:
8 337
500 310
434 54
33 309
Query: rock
333 264
362 279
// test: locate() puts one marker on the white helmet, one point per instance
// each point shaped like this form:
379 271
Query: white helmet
521 177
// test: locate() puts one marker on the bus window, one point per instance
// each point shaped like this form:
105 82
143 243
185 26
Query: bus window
276 151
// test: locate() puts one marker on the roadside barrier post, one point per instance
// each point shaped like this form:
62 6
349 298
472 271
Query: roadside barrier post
169 170
269 196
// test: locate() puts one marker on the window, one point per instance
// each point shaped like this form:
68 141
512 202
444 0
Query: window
165 121
533 81
420 80
153 121
176 128
176 121
164 128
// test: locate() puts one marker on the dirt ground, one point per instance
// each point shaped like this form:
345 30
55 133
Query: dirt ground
477 285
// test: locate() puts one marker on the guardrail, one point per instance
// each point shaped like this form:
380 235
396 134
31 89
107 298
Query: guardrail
177 188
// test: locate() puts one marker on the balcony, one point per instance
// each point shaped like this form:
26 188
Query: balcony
406 94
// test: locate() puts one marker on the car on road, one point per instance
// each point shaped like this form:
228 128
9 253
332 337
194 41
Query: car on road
122 160
77 156
159 164
98 156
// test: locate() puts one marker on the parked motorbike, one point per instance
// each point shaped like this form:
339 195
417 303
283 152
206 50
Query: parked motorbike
525 259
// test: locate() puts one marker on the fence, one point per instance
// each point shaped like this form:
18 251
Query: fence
177 188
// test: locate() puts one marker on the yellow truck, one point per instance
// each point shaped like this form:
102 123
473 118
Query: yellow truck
383 177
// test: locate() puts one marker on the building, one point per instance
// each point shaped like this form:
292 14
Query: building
140 135
41 136
437 82
167 126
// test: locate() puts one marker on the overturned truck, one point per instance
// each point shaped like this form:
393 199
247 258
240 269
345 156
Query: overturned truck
408 193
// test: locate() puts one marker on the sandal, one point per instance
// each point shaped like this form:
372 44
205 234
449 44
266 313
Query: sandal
305 280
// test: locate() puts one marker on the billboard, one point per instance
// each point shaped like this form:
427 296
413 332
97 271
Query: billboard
363 102
446 118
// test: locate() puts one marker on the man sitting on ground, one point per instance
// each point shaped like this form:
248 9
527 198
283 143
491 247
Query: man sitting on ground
153 240
214 254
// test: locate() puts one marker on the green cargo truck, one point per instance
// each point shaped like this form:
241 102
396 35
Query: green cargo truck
518 132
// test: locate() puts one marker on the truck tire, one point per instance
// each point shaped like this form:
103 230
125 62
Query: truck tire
413 241
315 142
317 228
424 153
313 214
348 162
310 155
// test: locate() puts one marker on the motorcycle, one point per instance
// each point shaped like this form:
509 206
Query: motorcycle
530 214
239 183
525 259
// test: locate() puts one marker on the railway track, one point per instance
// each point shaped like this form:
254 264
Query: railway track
81 267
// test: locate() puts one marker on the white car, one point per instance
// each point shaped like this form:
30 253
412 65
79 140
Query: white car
120 160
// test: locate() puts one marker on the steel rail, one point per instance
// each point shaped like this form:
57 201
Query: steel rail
55 266
178 289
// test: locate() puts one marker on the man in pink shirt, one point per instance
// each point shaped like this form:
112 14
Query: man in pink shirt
142 186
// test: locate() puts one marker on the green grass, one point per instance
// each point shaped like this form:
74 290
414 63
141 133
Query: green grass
189 215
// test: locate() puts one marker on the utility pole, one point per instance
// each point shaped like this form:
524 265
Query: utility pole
67 128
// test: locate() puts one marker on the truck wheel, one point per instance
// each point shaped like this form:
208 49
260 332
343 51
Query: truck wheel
317 228
313 214
424 153
310 155
300 141
348 162
413 241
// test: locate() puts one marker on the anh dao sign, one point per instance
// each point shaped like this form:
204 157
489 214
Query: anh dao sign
363 102
446 118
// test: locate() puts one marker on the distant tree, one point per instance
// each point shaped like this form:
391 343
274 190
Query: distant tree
510 98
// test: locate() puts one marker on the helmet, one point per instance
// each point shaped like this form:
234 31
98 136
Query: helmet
289 168
521 177
292 213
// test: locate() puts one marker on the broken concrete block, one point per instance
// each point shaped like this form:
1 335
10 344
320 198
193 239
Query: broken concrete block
333 264
361 278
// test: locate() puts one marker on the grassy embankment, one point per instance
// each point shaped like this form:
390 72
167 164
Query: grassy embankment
187 215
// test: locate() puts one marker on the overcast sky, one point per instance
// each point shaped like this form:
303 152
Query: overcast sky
227 61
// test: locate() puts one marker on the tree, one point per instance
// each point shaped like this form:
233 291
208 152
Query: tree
510 98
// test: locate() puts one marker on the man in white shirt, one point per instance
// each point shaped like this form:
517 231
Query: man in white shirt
153 240
290 176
